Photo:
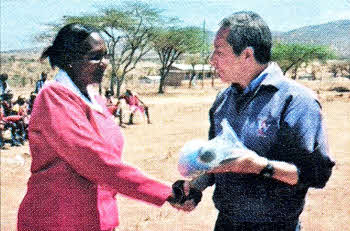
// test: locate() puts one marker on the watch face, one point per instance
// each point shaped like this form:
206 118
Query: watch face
267 174
268 171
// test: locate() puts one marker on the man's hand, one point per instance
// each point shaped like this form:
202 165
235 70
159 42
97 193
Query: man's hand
184 196
247 162
187 206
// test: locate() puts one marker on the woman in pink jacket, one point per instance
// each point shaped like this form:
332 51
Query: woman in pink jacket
76 147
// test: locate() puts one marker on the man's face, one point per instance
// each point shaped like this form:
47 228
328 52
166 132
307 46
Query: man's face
90 68
228 65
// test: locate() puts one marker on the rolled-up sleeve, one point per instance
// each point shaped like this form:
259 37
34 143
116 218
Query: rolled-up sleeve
304 137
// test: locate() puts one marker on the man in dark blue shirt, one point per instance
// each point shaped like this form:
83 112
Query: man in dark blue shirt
277 119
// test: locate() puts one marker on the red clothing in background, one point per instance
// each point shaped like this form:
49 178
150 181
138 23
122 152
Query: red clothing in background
133 103
77 168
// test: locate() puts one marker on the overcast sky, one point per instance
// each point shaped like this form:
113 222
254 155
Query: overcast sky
21 20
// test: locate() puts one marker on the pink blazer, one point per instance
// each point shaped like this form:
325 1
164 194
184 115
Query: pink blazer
76 166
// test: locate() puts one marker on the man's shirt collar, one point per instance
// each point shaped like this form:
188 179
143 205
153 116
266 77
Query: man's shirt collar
274 75
271 76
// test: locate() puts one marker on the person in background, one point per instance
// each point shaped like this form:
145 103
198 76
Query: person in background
2 127
135 104
76 147
10 120
40 83
4 87
114 107
278 120
20 107
30 102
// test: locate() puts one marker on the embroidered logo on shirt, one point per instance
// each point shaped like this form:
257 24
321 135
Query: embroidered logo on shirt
263 126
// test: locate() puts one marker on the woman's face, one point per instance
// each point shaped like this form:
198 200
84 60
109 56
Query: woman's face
89 68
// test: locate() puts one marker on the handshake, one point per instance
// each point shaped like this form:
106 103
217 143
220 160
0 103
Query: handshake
184 196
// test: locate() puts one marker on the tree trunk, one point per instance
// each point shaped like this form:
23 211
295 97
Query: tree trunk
203 76
119 85
161 84
213 78
111 85
193 74
162 81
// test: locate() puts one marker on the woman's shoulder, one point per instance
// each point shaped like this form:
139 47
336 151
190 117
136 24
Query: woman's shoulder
55 87
57 90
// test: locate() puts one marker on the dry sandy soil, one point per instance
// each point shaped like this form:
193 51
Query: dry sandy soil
179 116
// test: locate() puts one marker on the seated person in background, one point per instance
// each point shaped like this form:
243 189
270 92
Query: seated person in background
9 121
20 108
6 103
114 108
134 101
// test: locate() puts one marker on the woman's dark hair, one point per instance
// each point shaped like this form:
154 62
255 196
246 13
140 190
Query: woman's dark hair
248 29
65 47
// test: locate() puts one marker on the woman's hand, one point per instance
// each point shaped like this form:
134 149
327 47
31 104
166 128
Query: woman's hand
184 197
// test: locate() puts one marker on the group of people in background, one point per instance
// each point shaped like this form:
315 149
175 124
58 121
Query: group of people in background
15 113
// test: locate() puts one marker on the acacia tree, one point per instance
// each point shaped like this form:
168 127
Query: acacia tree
192 59
291 56
128 30
206 60
170 43
200 58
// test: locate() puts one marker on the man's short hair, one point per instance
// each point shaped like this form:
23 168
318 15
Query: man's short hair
248 29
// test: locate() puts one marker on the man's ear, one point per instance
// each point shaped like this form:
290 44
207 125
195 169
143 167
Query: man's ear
248 53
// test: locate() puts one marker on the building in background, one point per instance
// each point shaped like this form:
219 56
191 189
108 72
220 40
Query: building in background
179 72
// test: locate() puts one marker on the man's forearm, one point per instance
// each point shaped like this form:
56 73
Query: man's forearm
285 172
202 182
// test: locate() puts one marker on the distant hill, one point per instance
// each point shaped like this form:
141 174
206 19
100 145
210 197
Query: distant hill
335 34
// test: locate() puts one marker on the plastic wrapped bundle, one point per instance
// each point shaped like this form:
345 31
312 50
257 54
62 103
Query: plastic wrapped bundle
198 156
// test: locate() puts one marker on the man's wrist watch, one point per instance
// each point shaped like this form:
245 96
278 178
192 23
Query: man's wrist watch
267 171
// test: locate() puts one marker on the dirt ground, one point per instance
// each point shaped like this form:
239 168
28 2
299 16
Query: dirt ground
179 116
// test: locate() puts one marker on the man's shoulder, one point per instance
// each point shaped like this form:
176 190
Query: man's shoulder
298 94
293 88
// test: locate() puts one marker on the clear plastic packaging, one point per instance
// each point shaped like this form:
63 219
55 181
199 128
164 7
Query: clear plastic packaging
198 156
